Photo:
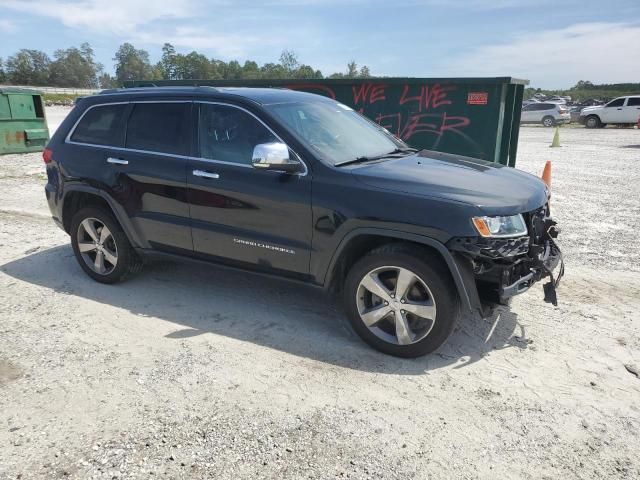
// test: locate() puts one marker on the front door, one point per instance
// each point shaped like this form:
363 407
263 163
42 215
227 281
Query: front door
260 219
612 111
527 114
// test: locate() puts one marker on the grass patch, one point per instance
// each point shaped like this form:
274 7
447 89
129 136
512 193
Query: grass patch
60 98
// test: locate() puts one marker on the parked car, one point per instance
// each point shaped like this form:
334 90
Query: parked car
298 186
557 100
548 114
574 111
621 111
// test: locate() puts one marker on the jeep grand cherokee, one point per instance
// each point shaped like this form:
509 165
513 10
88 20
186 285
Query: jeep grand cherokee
296 185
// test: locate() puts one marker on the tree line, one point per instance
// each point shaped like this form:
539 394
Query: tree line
77 67
585 89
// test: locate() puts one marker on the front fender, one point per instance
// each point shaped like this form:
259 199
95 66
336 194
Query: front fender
459 267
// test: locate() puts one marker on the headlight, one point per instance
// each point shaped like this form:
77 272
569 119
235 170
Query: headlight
512 226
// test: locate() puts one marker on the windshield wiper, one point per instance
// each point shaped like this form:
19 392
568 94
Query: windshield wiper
396 152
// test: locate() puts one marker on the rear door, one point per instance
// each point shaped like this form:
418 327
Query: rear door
240 214
632 110
152 172
135 152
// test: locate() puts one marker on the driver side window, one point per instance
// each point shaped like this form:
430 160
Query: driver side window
616 103
229 134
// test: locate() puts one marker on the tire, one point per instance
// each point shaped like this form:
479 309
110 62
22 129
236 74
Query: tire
592 121
119 259
399 332
548 121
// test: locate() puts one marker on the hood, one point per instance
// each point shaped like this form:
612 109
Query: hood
493 188
590 109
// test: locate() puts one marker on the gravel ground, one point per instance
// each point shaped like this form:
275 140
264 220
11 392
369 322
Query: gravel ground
195 372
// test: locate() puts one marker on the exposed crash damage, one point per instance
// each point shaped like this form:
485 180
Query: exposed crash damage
504 267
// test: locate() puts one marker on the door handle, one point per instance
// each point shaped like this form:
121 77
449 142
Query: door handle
202 173
620 109
117 161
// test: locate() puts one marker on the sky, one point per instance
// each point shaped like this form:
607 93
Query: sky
552 43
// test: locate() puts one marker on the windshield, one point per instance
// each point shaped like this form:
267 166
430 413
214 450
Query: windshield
335 131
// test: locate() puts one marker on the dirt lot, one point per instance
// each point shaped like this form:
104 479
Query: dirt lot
194 372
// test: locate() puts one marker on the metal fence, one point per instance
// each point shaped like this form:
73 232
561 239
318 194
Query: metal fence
68 91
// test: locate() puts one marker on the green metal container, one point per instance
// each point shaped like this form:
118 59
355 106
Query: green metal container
23 126
476 117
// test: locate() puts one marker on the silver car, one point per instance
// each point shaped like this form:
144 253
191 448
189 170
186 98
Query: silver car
547 114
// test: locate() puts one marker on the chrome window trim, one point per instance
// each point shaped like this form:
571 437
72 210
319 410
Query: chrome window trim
173 155
75 125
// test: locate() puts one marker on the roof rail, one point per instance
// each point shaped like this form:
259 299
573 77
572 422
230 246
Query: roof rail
147 88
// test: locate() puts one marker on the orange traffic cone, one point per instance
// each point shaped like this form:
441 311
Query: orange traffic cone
546 173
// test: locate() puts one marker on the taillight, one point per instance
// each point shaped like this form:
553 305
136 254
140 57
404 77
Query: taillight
47 155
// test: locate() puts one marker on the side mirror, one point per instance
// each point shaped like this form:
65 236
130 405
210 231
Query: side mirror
275 156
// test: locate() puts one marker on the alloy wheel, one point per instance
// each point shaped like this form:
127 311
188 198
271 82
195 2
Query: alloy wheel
97 246
396 305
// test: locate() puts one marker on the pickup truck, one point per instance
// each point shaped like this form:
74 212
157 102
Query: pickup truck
620 111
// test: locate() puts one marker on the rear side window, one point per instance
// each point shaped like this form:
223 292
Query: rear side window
633 102
102 125
160 127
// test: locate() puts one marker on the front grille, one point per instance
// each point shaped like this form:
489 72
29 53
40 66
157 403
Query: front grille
493 248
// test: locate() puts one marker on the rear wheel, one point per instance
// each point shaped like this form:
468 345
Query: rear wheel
400 301
593 121
101 246
548 121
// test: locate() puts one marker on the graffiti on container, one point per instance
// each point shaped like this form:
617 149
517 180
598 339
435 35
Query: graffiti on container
427 96
368 93
406 111
406 126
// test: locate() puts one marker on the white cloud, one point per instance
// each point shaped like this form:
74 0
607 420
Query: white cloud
7 27
179 22
599 52
113 16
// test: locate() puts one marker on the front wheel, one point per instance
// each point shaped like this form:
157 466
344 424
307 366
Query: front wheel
592 121
401 301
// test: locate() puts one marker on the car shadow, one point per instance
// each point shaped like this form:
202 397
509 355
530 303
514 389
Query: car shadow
285 316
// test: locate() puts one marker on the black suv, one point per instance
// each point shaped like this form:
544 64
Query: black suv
299 186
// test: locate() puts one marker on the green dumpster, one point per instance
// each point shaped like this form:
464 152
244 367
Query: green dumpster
475 117
23 126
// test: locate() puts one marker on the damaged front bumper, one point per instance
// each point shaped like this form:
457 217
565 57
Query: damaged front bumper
500 268
515 281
